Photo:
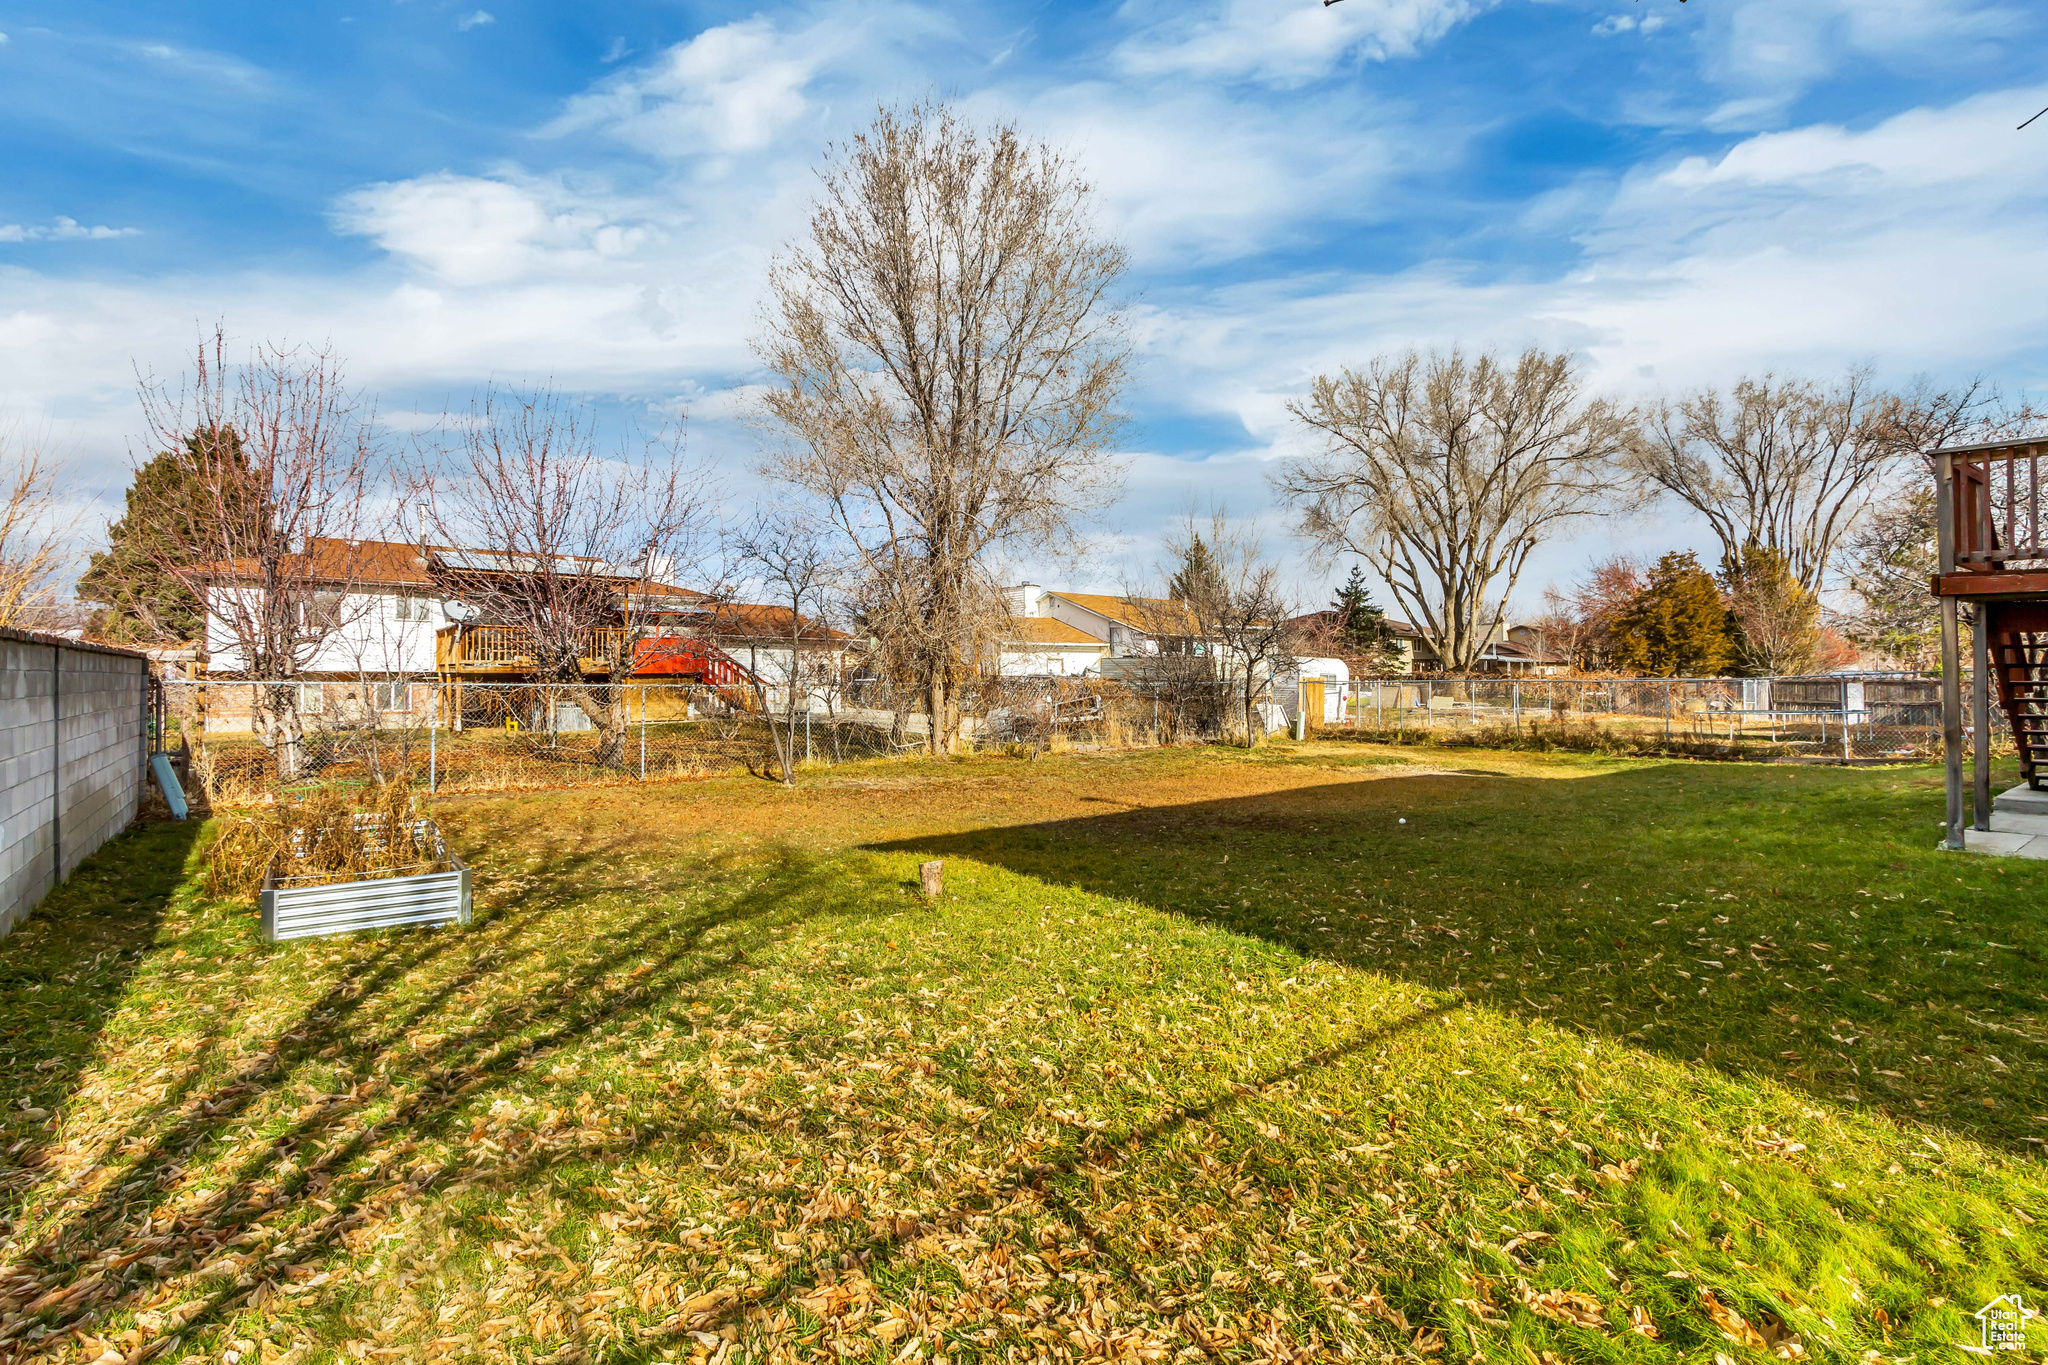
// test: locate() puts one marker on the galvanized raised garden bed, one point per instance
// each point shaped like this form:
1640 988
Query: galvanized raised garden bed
308 907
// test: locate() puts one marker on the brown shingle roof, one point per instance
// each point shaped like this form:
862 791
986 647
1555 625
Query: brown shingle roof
1044 630
373 564
1140 613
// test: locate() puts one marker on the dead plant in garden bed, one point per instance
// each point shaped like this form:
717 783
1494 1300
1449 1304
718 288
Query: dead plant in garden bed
329 836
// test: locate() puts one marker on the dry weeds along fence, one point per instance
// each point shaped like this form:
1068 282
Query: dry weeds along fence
1835 718
501 737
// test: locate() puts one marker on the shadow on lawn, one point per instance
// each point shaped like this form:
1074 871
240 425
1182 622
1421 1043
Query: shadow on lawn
1794 924
64 969
114 1245
119 1225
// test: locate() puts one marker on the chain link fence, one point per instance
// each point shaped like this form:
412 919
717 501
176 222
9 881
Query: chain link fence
1834 718
484 737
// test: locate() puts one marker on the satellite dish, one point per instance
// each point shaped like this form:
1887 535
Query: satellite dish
459 611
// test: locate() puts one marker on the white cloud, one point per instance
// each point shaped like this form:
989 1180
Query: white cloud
616 51
1186 176
1914 244
1918 148
1257 39
1767 52
1616 24
469 230
475 19
62 229
737 87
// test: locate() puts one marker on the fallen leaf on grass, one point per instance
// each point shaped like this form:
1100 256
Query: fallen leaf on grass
1769 1333
1572 1307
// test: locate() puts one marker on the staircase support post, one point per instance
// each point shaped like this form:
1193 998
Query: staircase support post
1952 720
1980 718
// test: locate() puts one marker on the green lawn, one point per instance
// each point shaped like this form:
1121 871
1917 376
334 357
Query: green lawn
1203 1055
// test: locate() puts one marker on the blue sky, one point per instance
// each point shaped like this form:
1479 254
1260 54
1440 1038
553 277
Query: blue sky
1680 193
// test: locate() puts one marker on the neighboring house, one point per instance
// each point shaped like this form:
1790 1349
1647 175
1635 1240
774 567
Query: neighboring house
1521 653
1066 634
395 632
1041 646
1130 626
1322 627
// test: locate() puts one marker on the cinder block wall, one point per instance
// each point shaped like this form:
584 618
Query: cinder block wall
72 751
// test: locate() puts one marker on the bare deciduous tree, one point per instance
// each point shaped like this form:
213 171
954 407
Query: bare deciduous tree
32 531
797 562
1579 621
1780 464
1778 626
1227 621
575 549
946 360
1444 473
281 456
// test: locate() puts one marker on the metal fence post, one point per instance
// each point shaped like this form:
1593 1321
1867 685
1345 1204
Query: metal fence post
56 765
1667 713
643 733
433 742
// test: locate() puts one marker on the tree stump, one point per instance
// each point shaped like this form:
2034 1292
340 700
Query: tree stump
933 875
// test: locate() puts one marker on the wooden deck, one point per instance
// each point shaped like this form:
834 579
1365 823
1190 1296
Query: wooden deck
505 654
1990 522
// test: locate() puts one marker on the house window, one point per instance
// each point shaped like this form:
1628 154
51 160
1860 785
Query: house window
411 608
391 696
323 609
311 698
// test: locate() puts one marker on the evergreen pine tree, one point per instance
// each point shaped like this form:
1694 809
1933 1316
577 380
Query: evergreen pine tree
140 599
1198 579
1677 626
1362 627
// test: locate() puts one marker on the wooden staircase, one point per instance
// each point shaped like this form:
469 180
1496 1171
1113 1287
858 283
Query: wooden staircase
2017 633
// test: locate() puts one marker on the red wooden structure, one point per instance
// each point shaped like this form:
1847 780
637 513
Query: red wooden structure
1989 526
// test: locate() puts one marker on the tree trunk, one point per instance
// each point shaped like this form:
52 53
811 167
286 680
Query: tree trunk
612 719
287 732
936 741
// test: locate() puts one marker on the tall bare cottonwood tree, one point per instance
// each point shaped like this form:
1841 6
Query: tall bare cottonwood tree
281 455
1783 465
1443 473
945 358
576 548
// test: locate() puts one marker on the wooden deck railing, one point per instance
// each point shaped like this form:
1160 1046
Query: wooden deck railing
509 650
1991 506
512 646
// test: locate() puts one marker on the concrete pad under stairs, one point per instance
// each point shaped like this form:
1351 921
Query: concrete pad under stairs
2019 826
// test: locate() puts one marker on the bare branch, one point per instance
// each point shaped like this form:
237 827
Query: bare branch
579 550
946 362
280 456
32 533
1444 473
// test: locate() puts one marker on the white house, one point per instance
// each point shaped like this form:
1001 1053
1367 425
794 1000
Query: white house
391 633
1073 633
